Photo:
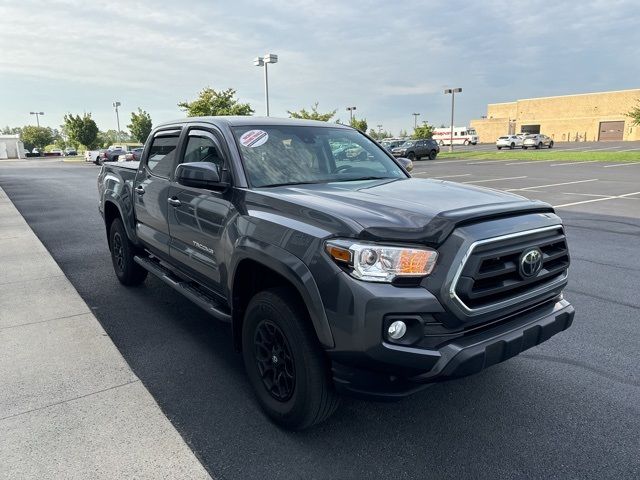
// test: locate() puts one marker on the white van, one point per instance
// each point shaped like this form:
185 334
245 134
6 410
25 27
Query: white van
461 136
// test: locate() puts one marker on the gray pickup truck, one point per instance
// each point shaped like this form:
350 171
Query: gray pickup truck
338 274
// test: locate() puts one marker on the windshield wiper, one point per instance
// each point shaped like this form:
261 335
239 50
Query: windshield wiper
362 178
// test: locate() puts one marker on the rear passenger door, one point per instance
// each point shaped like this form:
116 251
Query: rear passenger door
151 190
198 216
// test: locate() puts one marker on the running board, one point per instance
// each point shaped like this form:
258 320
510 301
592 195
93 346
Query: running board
185 288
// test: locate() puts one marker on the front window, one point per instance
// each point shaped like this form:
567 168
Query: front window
289 155
407 144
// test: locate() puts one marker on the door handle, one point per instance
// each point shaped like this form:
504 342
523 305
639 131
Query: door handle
174 202
140 190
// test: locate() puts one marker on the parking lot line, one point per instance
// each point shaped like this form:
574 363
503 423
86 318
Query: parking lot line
613 197
533 161
572 163
550 185
621 164
584 194
446 176
495 179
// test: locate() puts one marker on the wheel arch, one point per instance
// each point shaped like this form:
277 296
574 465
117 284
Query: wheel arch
258 266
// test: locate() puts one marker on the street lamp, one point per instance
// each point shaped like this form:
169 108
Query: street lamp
453 92
262 62
116 105
350 110
415 120
37 114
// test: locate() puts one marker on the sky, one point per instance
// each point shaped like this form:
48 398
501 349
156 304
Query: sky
387 58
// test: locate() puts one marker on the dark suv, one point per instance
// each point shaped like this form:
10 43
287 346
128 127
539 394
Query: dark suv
339 273
417 149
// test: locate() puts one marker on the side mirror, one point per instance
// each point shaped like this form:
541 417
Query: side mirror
406 163
199 175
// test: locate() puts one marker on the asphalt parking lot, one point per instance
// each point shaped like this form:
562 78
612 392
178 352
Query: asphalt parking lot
562 146
568 408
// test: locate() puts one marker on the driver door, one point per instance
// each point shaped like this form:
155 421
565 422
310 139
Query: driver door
197 216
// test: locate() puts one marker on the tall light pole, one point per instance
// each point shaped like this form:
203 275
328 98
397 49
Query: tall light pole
262 62
350 110
453 92
415 120
116 105
37 114
379 131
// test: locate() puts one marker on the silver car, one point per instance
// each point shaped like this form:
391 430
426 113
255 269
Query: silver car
537 140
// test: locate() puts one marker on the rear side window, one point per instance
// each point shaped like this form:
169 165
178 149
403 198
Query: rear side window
162 154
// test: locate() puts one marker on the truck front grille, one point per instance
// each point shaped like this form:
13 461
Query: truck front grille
491 275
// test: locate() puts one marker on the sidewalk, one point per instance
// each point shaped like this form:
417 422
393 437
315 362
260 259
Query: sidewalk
70 406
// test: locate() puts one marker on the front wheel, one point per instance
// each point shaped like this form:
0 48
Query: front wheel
466 142
550 144
441 143
122 254
286 366
499 148
512 146
411 156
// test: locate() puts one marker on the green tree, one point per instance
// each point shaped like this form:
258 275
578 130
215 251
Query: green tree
82 130
313 114
36 137
635 114
403 133
211 102
140 126
11 130
360 124
423 131
379 134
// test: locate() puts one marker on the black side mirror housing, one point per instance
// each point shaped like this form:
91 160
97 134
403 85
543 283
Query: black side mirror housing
406 163
200 175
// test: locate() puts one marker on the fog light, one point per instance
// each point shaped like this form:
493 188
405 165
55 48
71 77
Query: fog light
397 330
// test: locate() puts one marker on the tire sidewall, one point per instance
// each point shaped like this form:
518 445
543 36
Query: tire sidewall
117 228
260 308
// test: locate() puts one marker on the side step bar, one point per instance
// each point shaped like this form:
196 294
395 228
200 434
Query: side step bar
185 288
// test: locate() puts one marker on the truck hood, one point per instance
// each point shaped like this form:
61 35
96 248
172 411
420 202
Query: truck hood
412 209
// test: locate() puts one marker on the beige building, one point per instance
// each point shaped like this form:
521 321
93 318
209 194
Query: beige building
582 117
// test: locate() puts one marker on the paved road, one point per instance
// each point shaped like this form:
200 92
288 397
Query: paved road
567 409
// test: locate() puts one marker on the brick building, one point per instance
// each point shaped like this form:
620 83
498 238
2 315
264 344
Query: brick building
582 117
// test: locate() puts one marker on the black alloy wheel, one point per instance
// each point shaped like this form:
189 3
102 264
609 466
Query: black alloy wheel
275 361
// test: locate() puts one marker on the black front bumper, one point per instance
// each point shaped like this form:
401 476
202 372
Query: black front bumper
463 356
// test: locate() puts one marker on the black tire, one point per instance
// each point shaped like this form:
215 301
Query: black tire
411 156
512 146
524 148
539 146
499 148
122 252
550 144
298 392
432 155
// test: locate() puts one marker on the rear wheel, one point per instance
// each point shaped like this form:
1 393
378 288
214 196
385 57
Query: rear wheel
550 144
499 148
122 254
539 146
284 361
432 155
524 148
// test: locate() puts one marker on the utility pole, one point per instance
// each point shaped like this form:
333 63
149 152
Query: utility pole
37 114
453 92
116 105
415 120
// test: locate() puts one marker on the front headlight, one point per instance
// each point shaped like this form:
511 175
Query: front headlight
381 263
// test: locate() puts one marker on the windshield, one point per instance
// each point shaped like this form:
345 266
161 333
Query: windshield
289 155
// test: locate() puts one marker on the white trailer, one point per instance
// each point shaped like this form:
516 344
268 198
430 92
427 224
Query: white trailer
461 136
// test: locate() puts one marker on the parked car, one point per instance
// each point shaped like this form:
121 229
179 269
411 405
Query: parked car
70 152
93 155
56 152
134 155
417 149
391 144
537 141
335 275
509 141
111 155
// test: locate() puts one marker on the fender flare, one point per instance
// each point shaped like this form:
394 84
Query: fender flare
128 219
292 269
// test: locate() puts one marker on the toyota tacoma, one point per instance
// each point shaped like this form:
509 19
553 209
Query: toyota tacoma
338 274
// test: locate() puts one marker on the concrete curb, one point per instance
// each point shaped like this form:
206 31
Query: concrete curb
70 406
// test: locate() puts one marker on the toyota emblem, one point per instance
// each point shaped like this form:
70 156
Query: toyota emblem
530 262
